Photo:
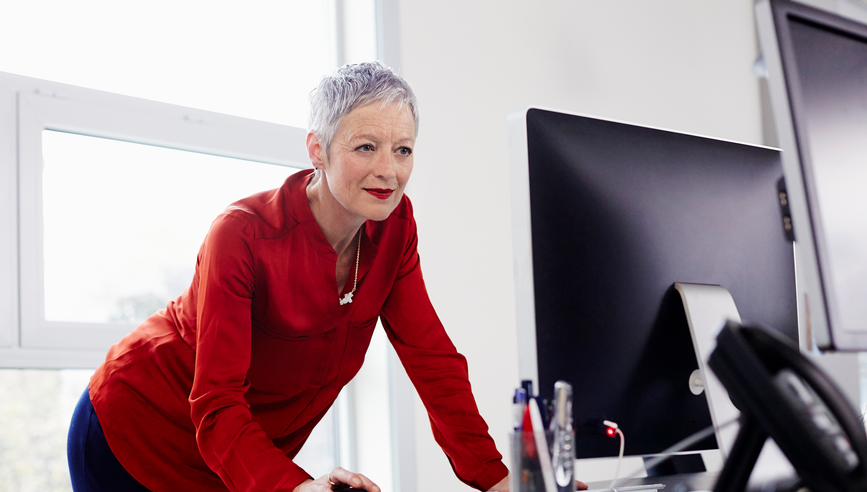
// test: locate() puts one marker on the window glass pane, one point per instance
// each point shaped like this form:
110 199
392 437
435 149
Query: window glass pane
35 411
123 222
373 414
257 59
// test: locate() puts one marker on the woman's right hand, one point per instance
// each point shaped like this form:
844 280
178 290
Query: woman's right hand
338 479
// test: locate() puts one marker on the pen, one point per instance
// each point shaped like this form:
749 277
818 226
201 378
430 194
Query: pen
542 447
519 402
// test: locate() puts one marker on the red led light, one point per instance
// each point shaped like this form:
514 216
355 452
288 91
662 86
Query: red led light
610 431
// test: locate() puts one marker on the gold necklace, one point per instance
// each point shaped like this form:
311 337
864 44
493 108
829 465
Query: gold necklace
347 298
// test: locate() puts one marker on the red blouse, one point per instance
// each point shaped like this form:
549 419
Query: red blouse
221 389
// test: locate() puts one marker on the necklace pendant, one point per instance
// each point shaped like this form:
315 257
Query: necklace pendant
347 299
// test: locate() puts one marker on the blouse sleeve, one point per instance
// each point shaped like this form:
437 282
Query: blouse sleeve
232 445
439 374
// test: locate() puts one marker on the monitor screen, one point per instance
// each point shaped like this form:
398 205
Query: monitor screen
607 217
817 67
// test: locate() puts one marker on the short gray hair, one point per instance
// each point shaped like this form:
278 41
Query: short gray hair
354 86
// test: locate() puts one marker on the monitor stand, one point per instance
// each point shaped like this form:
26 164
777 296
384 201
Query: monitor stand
707 307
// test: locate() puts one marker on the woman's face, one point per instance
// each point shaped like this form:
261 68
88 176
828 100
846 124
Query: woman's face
370 159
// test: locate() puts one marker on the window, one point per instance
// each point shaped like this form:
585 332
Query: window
115 195
122 222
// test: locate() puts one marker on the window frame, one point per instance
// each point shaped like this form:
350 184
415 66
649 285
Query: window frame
8 221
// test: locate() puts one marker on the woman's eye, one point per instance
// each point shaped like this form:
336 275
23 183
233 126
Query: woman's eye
365 148
404 151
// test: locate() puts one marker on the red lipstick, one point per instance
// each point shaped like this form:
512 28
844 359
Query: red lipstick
381 193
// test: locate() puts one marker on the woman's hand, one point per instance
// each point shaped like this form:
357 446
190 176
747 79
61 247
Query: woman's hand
338 479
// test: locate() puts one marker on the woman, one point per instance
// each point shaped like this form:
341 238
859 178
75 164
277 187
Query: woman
221 389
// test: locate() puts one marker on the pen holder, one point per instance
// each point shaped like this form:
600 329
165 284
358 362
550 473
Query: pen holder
528 463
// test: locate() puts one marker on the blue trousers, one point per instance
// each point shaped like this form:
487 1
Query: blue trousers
92 465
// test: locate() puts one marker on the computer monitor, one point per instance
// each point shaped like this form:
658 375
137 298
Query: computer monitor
817 79
607 217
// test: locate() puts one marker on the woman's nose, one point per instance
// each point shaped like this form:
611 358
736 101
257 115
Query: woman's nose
385 167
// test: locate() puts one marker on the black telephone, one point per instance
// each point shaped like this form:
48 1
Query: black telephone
783 395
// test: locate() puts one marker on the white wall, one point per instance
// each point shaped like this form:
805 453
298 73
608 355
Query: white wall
678 64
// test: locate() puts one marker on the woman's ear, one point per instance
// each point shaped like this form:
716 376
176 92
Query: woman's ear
315 151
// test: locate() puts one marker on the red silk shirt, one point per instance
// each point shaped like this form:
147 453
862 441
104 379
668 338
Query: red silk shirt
221 389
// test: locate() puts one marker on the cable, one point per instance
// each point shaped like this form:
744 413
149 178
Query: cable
612 426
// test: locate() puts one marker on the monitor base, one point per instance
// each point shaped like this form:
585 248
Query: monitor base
677 465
